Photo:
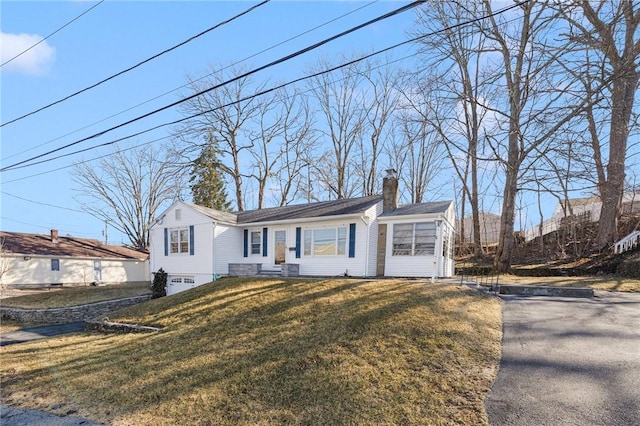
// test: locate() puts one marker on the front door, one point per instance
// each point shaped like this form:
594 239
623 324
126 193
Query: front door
97 271
280 247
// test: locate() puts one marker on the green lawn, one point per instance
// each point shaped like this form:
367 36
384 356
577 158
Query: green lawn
258 352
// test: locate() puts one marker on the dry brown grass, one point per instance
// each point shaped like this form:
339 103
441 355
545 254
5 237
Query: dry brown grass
606 283
74 296
260 352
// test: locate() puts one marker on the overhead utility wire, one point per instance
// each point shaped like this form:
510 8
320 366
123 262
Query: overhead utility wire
326 71
65 25
217 86
43 204
190 39
198 79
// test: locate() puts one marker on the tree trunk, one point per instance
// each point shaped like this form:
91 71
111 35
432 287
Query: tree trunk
502 262
622 98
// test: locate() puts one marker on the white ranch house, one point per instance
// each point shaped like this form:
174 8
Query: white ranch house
35 260
361 237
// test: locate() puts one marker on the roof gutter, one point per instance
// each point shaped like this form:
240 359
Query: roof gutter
300 220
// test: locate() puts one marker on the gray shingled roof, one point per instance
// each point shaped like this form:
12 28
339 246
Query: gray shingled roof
421 208
36 244
303 211
214 214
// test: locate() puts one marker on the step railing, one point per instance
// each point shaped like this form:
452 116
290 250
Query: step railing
627 243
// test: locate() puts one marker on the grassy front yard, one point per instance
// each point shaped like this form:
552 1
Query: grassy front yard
73 296
247 351
606 283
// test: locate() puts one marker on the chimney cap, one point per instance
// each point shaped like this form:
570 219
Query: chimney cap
391 172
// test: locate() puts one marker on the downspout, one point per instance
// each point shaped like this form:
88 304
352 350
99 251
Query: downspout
214 276
366 247
437 249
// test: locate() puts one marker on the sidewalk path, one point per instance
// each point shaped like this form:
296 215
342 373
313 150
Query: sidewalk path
10 416
40 332
568 361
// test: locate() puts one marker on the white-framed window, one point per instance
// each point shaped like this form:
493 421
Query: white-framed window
256 242
414 239
325 241
179 240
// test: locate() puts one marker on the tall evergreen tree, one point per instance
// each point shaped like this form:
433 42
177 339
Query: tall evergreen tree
206 182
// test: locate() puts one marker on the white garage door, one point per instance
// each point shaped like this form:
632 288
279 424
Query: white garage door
176 284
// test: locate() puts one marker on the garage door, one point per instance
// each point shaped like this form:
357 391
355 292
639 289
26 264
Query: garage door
176 284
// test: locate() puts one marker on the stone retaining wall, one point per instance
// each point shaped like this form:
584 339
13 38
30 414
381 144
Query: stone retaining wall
70 314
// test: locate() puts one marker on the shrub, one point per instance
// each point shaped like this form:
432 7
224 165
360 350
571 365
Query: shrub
159 284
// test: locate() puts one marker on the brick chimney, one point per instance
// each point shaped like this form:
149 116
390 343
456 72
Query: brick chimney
54 236
390 190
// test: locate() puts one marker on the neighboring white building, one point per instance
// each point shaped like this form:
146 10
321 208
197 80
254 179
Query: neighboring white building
34 260
582 210
489 228
361 237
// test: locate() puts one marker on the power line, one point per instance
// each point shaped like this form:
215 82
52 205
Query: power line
246 74
198 79
62 230
84 161
264 92
190 39
43 204
65 25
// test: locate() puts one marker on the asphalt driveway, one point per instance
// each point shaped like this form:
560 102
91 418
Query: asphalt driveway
568 361
40 332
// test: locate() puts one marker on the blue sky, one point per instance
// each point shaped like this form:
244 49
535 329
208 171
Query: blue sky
116 35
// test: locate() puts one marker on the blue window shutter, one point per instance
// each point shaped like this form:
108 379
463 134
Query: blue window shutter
352 240
298 238
166 242
191 239
264 242
246 243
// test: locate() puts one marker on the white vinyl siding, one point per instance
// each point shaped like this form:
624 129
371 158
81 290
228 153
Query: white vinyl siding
73 271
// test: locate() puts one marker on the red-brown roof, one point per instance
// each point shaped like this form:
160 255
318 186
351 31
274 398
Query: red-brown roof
43 245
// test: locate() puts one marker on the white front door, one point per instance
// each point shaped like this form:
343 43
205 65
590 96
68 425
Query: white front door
97 271
280 247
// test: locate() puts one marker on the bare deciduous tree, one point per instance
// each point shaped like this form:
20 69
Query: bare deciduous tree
532 110
341 119
381 101
128 187
5 262
298 143
608 31
419 156
264 136
223 114
456 90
